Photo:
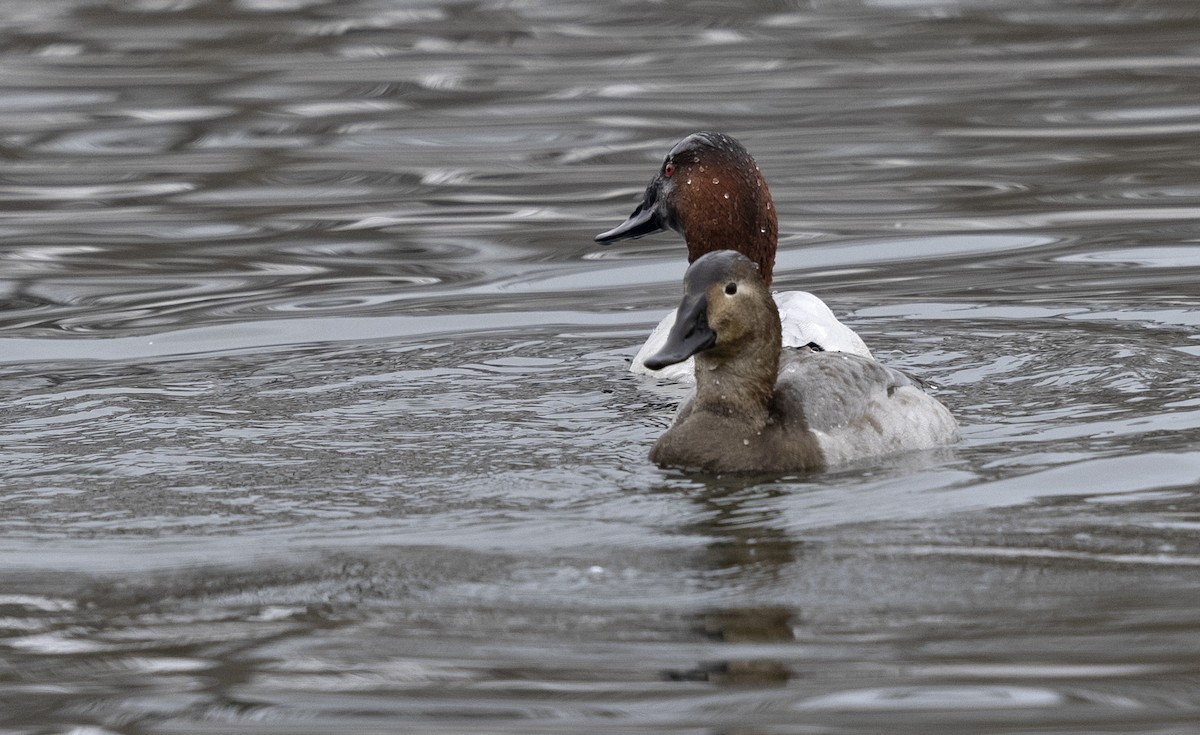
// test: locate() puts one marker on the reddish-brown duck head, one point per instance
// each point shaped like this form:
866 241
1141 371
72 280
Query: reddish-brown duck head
709 190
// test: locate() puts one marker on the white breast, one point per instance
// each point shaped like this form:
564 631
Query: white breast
805 319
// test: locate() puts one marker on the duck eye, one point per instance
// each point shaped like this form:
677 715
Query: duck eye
668 170
731 288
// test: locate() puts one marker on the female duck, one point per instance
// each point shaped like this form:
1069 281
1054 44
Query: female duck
710 190
753 412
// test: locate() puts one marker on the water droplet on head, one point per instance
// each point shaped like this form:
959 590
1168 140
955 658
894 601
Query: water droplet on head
763 230
726 195
689 181
716 180
746 442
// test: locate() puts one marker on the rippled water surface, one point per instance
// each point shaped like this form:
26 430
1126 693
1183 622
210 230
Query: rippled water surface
315 407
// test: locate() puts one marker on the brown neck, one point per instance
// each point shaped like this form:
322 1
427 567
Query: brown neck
745 221
739 382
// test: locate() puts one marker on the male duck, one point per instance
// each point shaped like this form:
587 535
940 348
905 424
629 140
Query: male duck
710 191
753 412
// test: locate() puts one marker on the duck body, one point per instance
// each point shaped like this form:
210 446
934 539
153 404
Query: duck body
710 190
826 409
759 408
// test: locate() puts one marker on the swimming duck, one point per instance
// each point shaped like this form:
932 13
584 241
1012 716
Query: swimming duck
710 190
754 412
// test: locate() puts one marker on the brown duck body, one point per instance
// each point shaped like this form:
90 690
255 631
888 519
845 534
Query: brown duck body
756 412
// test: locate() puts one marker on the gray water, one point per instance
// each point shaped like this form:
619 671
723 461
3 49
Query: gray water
315 411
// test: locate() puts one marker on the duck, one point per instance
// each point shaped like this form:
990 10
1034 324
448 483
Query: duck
758 408
710 190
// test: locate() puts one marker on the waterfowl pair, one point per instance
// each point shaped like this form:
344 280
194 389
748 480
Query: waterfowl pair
710 190
759 408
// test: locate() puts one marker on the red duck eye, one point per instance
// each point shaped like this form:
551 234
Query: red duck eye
668 170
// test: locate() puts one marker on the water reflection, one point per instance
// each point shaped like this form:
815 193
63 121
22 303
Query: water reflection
749 548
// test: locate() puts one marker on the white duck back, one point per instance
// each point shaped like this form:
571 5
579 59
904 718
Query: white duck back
805 320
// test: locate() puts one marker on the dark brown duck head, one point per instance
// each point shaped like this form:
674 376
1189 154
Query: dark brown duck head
709 190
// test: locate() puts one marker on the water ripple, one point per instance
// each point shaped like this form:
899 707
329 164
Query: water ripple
92 192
